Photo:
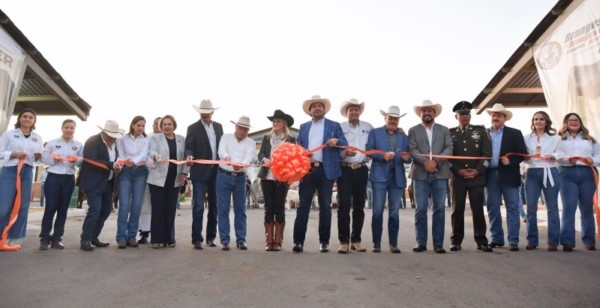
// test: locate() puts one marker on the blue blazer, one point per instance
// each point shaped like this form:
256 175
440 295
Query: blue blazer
92 178
332 157
380 168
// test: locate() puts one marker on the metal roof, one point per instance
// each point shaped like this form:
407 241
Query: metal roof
517 83
43 88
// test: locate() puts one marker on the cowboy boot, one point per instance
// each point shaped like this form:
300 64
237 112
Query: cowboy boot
278 241
269 236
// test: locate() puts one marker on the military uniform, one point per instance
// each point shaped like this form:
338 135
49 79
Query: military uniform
470 141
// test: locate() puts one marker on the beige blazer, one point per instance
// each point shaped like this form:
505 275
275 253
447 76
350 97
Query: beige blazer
158 173
418 143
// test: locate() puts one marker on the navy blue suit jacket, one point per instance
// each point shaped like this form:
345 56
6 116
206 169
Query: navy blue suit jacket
380 168
93 178
198 146
331 155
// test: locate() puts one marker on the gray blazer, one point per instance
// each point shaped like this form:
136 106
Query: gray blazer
158 145
418 143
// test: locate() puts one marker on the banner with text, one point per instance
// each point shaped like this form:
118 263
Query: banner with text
12 69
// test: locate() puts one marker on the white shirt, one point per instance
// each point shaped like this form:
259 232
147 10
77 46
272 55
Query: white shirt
546 145
134 148
577 147
65 149
315 139
212 138
429 132
357 136
242 152
112 155
14 141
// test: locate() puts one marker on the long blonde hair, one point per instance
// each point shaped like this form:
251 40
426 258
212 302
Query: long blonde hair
286 131
564 130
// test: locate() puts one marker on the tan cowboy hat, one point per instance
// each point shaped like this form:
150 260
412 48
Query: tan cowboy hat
206 106
316 99
428 104
351 102
244 121
111 128
499 108
393 111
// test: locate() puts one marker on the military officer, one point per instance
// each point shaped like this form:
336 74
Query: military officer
469 176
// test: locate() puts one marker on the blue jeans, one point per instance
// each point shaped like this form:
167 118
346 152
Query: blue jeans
199 191
132 184
59 188
315 181
534 185
8 192
228 185
577 187
495 191
437 189
394 195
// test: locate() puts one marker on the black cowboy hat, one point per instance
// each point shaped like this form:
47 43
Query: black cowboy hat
278 114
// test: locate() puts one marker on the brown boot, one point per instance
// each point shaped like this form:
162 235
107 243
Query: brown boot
269 236
279 226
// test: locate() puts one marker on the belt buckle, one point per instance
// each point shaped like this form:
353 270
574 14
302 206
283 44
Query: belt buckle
355 166
316 164
234 173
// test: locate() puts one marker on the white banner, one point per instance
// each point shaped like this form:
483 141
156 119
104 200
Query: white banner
12 69
568 63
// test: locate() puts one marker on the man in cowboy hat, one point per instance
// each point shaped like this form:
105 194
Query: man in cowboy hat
325 169
469 176
231 181
504 178
429 174
98 182
202 142
352 185
387 175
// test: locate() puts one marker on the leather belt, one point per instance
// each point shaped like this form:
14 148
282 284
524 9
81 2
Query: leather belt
232 173
316 164
354 165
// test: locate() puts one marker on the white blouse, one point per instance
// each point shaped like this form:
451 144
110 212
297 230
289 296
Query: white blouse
577 147
15 141
546 145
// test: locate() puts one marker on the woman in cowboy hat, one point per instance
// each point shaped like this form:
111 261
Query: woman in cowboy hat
274 191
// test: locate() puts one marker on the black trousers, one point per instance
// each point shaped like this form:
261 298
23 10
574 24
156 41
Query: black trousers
164 207
275 193
476 199
352 193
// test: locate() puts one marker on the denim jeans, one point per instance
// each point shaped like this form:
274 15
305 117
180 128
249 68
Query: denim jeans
422 189
577 186
199 191
228 185
8 192
495 192
534 185
314 182
380 189
132 184
59 188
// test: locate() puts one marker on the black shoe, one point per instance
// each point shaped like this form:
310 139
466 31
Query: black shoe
568 248
485 248
420 248
439 249
394 249
376 247
86 247
496 245
211 243
513 248
297 248
225 247
143 239
242 246
198 246
44 245
324 247
99 244
455 247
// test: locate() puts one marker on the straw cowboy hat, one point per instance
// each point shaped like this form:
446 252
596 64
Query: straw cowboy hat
206 106
278 114
351 102
393 111
244 121
499 108
428 104
316 99
111 128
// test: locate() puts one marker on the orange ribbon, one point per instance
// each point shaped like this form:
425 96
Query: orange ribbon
15 212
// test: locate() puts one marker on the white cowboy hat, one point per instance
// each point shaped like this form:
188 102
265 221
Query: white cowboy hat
111 128
393 111
499 108
428 104
351 102
244 121
316 99
206 106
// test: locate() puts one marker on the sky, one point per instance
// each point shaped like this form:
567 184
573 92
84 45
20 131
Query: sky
250 57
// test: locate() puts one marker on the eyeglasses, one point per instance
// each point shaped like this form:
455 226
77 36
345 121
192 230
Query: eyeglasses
573 120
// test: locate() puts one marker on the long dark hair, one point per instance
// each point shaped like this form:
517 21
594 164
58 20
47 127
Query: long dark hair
18 124
564 131
548 129
135 120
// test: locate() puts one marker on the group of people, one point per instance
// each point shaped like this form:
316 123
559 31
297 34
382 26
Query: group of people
480 162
